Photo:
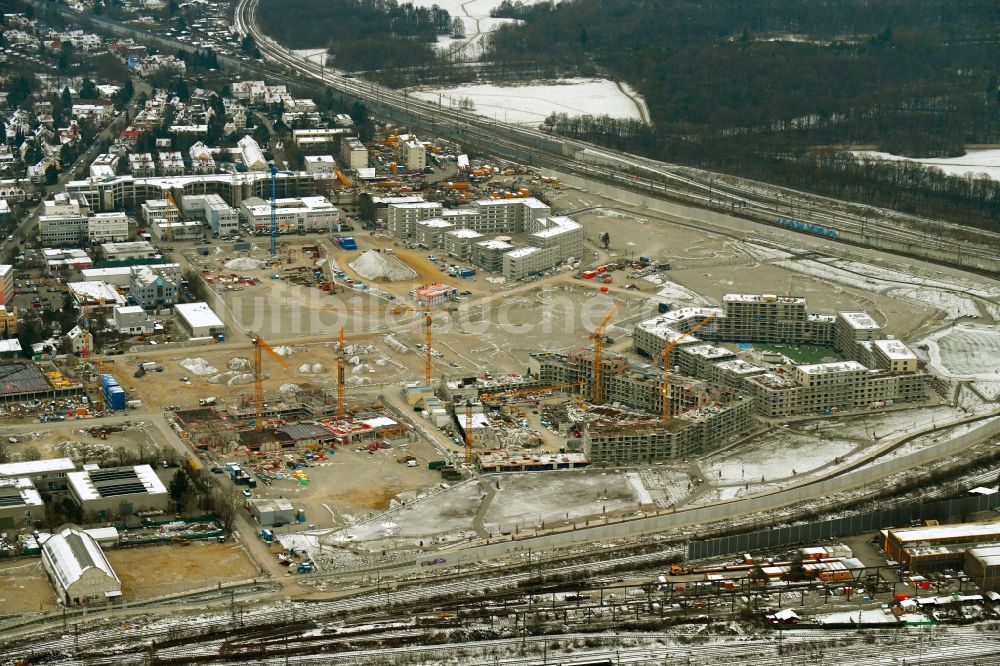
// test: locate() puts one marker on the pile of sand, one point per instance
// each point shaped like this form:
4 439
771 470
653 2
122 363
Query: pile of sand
374 265
244 264
239 364
198 366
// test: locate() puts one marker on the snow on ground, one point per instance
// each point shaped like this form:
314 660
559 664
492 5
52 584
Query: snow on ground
635 483
666 486
244 264
783 455
979 287
531 104
673 291
475 14
822 271
966 351
876 278
878 425
446 515
763 252
989 388
615 214
929 440
974 162
956 305
524 501
310 55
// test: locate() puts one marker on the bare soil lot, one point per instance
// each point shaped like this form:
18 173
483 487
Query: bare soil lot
24 587
153 571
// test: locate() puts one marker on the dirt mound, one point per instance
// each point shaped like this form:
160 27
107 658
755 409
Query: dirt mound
244 264
374 265
198 366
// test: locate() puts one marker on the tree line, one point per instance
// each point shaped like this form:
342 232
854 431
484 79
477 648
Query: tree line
773 89
360 34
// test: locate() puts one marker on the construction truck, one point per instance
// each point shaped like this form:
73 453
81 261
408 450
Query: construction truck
679 569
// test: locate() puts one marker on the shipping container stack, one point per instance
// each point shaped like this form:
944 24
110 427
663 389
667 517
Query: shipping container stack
114 394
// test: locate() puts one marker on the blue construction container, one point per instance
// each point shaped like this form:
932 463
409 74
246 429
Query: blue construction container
115 397
107 381
467 272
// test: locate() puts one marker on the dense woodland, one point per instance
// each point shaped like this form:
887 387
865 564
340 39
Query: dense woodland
771 89
360 34
768 89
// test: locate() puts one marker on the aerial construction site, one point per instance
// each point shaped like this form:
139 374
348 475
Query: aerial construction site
510 415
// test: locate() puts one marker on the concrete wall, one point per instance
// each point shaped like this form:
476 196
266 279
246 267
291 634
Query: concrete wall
686 518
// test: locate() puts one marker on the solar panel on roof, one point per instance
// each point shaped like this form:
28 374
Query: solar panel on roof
124 489
108 474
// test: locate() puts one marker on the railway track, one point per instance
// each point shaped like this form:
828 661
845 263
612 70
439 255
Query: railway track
757 201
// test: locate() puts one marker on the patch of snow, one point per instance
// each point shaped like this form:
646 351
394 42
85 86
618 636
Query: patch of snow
956 305
531 104
966 351
976 163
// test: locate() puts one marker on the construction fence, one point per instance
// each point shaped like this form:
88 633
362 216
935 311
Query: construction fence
944 510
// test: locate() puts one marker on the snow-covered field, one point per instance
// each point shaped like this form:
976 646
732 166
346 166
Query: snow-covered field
475 14
884 425
527 500
976 162
531 104
966 351
310 55
956 305
785 455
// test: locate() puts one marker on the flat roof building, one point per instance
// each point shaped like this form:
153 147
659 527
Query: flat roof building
20 503
104 494
894 356
291 214
982 564
49 474
199 319
895 540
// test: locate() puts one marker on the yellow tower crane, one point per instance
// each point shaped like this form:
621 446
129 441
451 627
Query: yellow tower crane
341 400
596 395
468 432
667 348
259 347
